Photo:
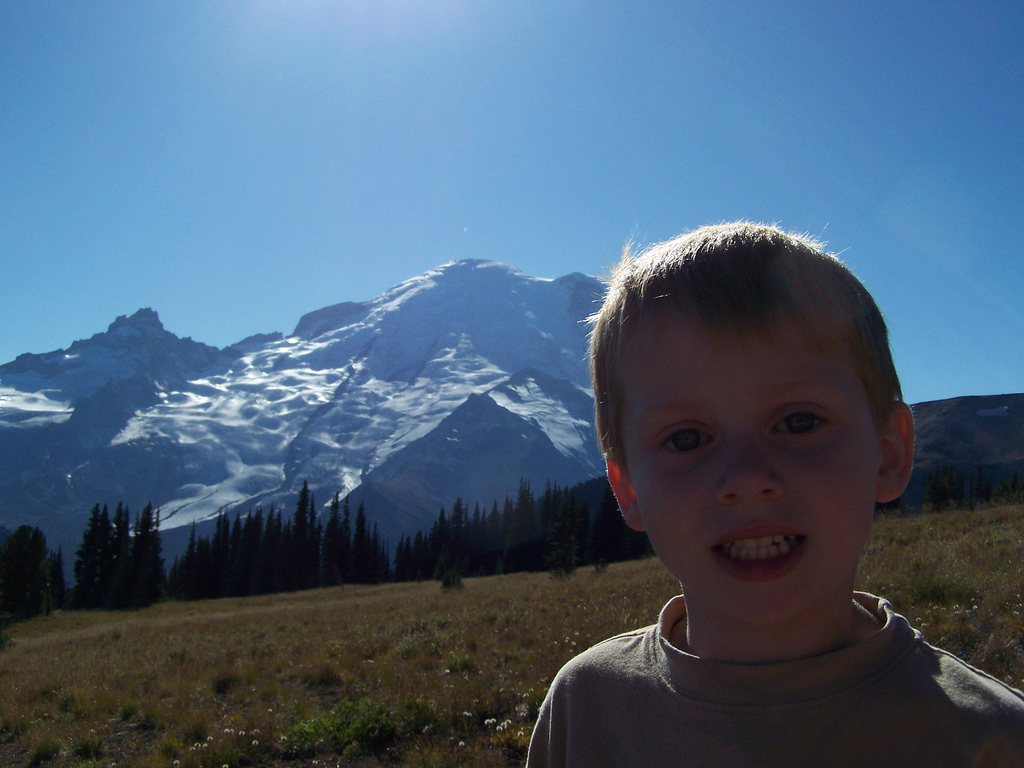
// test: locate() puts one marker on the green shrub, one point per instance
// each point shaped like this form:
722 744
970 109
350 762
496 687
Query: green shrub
362 726
451 579
45 750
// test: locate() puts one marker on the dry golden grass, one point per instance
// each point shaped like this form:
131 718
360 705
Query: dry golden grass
959 578
410 674
221 682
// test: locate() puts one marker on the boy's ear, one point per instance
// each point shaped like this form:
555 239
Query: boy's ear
897 442
624 494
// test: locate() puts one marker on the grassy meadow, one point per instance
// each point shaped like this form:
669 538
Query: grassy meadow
410 674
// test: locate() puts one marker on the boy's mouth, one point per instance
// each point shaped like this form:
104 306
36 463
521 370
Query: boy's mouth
760 548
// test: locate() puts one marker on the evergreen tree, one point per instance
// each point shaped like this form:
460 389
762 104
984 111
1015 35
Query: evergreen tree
419 557
332 573
982 486
562 548
301 551
945 488
361 557
219 562
116 576
58 585
345 543
607 541
270 554
24 585
380 567
146 563
92 560
247 565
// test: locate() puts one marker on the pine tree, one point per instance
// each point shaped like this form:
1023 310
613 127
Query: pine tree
249 552
945 488
58 585
24 587
607 543
345 544
361 558
270 554
332 573
91 560
562 545
297 575
116 577
146 564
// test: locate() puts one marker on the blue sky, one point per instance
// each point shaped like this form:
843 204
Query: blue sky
234 165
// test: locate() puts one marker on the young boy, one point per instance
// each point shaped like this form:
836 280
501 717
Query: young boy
751 417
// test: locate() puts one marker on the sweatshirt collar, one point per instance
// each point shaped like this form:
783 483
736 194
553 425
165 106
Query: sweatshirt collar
786 682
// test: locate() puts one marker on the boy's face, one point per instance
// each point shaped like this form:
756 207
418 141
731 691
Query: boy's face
754 465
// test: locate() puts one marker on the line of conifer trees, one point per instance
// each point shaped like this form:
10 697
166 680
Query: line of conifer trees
120 563
261 554
949 486
554 532
31 576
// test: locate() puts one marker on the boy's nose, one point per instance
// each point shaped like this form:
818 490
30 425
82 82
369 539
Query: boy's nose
747 475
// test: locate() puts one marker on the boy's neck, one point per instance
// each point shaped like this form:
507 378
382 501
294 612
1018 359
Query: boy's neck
799 639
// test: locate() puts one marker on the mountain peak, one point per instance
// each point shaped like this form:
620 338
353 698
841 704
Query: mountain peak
145 321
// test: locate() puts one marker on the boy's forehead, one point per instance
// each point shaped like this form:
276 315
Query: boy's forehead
667 324
669 328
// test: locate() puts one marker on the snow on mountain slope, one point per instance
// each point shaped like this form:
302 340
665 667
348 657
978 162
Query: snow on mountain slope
353 387
130 347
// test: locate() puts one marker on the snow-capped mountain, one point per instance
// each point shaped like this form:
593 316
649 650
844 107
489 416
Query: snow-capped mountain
456 383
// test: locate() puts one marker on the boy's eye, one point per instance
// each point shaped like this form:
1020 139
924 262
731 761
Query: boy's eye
799 423
684 440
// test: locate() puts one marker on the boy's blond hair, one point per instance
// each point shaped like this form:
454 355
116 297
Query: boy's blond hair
738 279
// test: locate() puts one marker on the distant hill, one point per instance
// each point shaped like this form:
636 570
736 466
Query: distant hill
985 432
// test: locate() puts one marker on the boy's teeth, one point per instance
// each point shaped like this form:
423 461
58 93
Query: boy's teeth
761 548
